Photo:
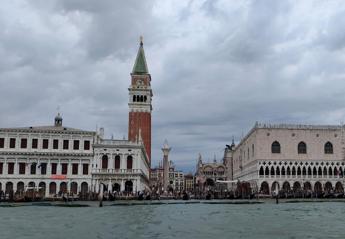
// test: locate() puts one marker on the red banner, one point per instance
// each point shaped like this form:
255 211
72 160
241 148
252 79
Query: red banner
58 177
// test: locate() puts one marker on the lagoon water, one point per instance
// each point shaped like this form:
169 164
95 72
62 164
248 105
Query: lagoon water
268 220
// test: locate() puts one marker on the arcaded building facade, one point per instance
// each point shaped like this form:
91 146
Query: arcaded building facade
48 159
290 158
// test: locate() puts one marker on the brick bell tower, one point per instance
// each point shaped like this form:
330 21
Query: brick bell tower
140 102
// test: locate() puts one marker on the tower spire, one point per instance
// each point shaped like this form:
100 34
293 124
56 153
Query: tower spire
140 66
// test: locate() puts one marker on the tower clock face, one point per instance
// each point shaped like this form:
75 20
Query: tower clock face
140 82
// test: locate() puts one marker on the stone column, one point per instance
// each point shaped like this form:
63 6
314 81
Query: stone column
122 185
49 167
110 186
47 188
166 149
15 170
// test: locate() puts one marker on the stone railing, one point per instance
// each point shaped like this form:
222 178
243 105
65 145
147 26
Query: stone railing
117 171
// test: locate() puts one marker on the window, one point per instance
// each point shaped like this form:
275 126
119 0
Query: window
23 143
104 162
2 142
10 168
87 145
12 143
55 144
21 168
54 167
45 143
64 168
76 144
275 148
129 162
328 148
117 162
302 148
1 167
74 168
43 167
85 169
253 150
65 144
33 168
34 143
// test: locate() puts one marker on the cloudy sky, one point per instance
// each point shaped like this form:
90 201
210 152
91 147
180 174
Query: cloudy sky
217 67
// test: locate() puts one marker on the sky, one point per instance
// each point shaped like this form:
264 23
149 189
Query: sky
217 67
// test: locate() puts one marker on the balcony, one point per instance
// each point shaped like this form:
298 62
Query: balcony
117 171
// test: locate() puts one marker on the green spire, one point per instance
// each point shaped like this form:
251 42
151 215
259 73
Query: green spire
140 66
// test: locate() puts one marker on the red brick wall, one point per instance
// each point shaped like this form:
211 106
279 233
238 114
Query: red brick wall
140 120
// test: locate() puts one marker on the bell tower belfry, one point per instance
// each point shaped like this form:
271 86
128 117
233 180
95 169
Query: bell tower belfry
140 102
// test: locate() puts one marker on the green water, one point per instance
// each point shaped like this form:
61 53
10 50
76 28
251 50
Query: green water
268 220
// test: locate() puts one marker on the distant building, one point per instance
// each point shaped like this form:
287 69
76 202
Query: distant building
290 158
176 180
189 183
207 175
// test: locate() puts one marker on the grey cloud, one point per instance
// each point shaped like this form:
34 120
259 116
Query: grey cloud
216 66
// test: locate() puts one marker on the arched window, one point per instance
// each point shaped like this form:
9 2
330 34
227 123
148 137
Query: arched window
302 148
275 148
253 150
134 98
141 98
129 162
52 188
117 162
266 171
261 171
293 171
272 171
328 148
145 98
104 162
309 171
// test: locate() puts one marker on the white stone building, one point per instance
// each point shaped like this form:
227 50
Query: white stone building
309 158
120 166
48 159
